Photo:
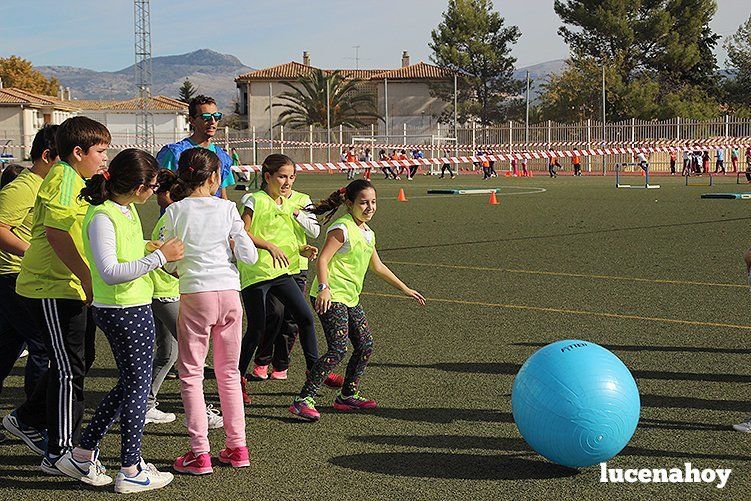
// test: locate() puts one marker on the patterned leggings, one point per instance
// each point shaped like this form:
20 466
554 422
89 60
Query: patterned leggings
130 332
339 323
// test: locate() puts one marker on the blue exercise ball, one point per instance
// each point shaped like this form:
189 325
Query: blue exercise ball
575 403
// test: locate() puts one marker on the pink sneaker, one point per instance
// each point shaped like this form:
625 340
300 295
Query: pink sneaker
305 408
194 465
278 375
260 373
237 457
353 403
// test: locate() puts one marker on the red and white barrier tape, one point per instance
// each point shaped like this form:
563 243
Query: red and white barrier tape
500 157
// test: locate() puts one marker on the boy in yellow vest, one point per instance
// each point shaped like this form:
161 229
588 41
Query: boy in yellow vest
56 279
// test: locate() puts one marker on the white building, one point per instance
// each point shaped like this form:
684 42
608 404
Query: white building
408 88
170 118
23 113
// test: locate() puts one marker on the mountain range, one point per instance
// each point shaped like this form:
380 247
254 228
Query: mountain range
210 73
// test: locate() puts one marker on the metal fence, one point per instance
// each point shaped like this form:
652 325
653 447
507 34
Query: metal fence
254 144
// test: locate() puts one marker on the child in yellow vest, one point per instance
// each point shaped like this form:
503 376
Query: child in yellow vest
347 254
56 280
281 330
122 288
268 217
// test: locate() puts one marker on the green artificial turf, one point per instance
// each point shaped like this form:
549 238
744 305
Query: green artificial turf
654 275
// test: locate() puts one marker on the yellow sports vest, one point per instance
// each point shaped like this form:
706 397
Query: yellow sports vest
274 224
347 270
165 285
297 262
130 247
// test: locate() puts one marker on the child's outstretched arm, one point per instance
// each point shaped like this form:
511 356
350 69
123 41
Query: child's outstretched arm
385 273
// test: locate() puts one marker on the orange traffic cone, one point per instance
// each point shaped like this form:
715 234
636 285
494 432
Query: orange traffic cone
642 172
493 200
401 197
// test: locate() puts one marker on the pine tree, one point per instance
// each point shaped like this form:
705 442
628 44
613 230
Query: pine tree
187 91
738 88
658 56
473 41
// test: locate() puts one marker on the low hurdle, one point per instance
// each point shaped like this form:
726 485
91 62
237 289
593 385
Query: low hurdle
711 180
632 186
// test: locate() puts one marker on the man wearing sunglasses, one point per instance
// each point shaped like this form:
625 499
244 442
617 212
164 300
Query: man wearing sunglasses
204 120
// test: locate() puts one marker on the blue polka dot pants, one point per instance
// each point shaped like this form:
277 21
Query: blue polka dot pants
130 332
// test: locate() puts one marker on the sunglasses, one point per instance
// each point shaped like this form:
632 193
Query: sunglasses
208 116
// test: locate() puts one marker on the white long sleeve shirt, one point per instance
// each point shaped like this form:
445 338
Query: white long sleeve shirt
103 242
206 225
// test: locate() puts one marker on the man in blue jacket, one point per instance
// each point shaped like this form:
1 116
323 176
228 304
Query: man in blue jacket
204 120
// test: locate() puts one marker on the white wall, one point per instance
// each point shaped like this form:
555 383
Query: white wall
168 126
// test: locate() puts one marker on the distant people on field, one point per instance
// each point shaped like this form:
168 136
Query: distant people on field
720 161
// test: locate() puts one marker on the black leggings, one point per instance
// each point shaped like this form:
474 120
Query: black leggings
255 301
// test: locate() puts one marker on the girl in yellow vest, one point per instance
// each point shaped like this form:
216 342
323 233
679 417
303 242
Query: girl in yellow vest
347 254
269 217
114 247
281 330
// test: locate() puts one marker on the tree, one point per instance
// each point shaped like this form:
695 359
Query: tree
305 103
20 73
738 86
187 91
658 56
473 42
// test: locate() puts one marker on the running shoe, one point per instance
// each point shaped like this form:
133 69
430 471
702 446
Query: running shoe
353 403
147 479
193 464
154 415
237 457
260 373
35 439
305 408
89 472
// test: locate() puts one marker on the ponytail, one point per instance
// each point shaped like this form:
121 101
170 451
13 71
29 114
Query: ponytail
129 170
330 205
194 168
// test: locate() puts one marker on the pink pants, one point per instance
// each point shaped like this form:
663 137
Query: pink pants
216 315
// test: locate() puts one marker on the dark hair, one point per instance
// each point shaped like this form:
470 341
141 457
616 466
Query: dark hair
129 169
44 140
330 205
80 131
10 172
193 169
165 179
198 101
272 164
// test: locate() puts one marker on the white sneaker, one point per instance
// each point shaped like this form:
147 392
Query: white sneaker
148 479
215 418
88 472
744 427
154 415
